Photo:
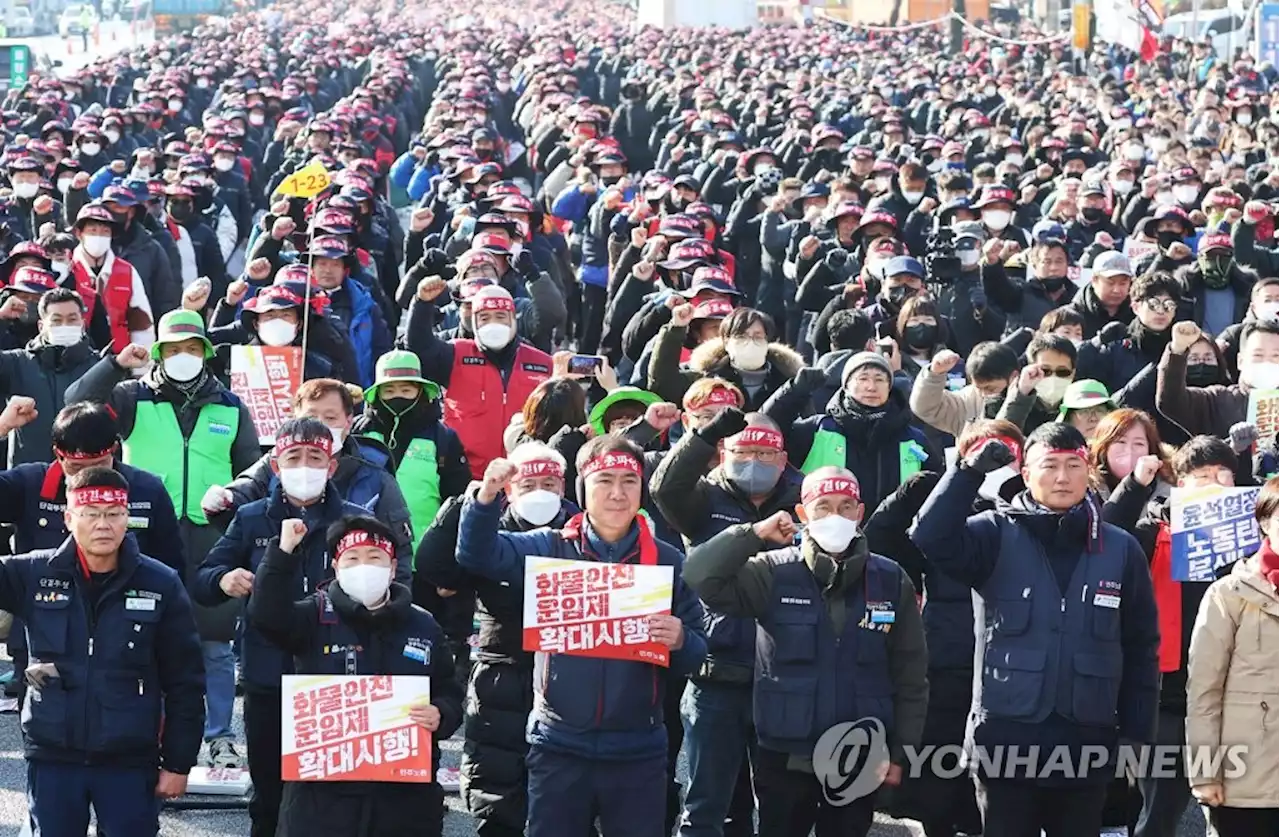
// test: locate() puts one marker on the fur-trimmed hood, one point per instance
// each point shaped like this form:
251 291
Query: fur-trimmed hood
712 357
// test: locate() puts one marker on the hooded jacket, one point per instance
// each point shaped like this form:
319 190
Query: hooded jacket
670 380
1087 305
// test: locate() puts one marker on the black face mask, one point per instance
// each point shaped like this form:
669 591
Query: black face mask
399 406
1092 214
898 294
181 211
1202 374
991 405
611 180
921 336
1052 284
1166 238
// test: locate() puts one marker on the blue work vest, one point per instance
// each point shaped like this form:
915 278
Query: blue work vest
807 678
1044 650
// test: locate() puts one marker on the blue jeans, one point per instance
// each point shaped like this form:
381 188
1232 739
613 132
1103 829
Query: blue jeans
219 689
718 734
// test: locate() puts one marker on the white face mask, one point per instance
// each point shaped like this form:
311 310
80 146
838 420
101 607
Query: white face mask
1134 152
1052 389
64 185
1122 187
990 488
1015 159
182 367
1185 194
1244 117
494 335
277 332
1267 311
175 105
339 435
90 148
26 190
913 198
1164 198
202 83
1261 376
833 533
969 258
257 119
64 335
537 507
1159 144
365 583
61 269
96 245
746 354
305 484
997 219
223 164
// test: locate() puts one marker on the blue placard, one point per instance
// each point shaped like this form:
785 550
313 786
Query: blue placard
1210 528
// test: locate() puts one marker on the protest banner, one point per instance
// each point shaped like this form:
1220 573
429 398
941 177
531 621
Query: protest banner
593 609
353 728
1136 249
1211 526
265 379
1264 412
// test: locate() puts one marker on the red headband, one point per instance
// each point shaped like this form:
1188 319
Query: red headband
1081 452
97 495
75 456
493 303
611 462
359 537
284 443
812 490
537 468
756 437
720 396
1004 440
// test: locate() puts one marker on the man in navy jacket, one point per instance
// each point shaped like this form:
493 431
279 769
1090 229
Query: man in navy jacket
598 746
1066 628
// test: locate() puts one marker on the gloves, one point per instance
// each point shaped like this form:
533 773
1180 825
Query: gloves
836 260
216 499
810 378
1113 332
992 456
525 266
978 298
729 422
1242 436
434 261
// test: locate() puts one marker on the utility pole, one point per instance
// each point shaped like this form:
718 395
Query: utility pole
957 27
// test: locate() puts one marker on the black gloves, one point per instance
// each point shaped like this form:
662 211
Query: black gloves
525 266
810 378
728 422
992 456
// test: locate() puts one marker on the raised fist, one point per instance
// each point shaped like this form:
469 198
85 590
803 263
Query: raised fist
682 315
1185 334
1178 251
661 416
259 269
431 287
43 205
237 583
778 528
639 235
216 499
496 476
728 422
133 356
1146 468
80 181
196 296
421 219
237 289
292 531
1030 375
943 362
283 228
19 412
992 456
1255 211
808 246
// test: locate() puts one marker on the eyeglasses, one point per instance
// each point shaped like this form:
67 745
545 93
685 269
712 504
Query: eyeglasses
1059 372
112 516
1160 306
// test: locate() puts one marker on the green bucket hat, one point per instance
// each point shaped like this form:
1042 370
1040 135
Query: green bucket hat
179 325
1082 395
400 365
642 396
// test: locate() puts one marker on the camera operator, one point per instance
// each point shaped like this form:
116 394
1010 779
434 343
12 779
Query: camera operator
953 273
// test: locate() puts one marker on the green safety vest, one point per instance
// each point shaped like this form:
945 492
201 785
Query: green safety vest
418 476
829 448
206 453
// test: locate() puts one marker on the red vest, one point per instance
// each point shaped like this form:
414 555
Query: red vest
117 295
1168 601
477 405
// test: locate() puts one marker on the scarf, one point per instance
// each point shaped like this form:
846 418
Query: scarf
1269 563
1151 343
